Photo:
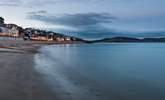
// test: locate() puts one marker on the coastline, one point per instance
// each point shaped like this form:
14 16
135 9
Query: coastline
18 78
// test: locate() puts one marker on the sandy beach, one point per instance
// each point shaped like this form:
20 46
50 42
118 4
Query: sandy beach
18 78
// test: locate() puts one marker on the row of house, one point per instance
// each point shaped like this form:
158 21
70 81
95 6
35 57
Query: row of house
12 30
42 35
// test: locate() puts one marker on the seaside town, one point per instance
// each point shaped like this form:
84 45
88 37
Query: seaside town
15 31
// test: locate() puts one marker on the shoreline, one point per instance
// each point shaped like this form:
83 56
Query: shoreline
18 78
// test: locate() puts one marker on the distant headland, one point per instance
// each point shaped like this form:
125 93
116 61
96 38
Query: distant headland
128 40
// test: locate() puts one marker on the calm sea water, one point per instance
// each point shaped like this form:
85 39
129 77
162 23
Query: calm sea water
133 71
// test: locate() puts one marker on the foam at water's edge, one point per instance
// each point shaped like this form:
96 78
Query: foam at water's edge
104 71
47 65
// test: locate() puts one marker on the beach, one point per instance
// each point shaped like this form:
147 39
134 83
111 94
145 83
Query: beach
18 78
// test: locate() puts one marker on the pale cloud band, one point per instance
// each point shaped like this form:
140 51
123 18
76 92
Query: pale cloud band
33 3
10 2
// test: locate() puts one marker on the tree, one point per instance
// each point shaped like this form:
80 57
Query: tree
1 21
0 30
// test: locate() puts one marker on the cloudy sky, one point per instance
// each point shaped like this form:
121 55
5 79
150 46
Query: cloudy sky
88 18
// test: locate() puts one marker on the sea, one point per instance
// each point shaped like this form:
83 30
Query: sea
105 71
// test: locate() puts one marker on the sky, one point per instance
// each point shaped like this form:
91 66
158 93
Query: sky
88 18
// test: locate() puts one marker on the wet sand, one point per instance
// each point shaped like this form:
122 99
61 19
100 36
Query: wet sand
18 78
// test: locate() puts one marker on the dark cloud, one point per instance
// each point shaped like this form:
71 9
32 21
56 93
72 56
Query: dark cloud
10 2
75 20
91 23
